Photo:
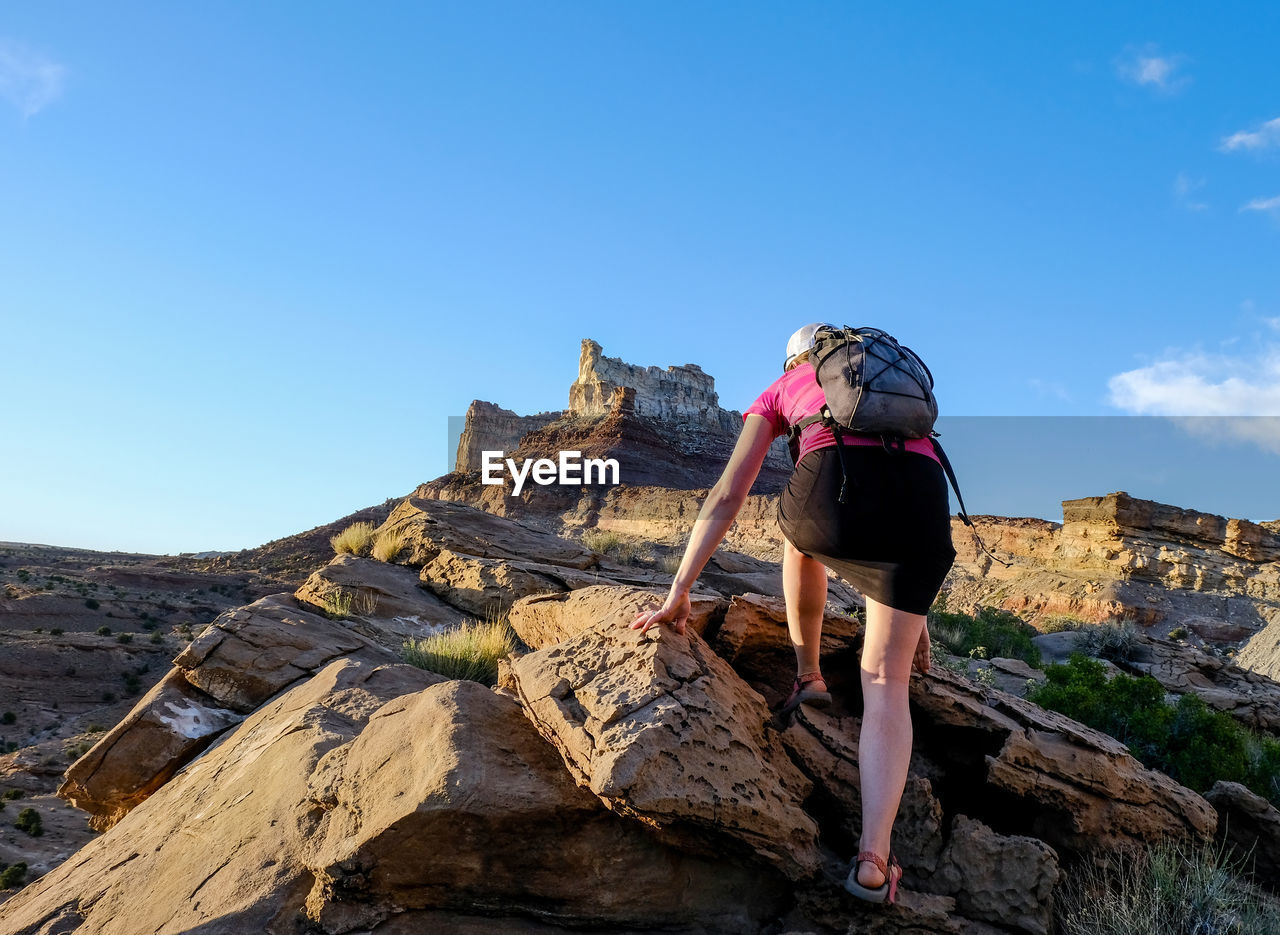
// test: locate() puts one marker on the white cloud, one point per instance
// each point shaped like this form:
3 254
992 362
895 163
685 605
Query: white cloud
1264 137
1184 187
1273 322
1209 394
1145 66
1264 205
28 80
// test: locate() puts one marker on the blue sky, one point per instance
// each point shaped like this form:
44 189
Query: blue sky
254 255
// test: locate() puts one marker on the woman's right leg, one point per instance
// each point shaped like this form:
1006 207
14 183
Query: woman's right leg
884 749
804 585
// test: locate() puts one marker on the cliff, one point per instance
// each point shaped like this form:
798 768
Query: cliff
685 436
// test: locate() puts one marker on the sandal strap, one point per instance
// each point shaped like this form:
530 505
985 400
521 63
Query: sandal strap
877 860
803 680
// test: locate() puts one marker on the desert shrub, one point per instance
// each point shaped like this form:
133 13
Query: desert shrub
344 602
92 604
1187 740
1171 888
29 821
57 631
356 539
8 717
1114 640
617 547
387 546
94 728
103 631
670 563
1057 623
1000 632
470 651
1178 633
11 794
13 876
157 637
124 638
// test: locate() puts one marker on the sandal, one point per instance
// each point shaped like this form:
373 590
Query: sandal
801 695
887 891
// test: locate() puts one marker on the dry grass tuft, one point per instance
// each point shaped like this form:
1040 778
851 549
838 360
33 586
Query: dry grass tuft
471 651
356 539
387 546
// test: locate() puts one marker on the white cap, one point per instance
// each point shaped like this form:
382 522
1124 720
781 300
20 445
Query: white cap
802 341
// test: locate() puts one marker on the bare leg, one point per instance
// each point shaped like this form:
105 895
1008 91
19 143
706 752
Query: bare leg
884 750
804 584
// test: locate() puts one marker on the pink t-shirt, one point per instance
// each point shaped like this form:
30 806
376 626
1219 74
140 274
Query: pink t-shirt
796 394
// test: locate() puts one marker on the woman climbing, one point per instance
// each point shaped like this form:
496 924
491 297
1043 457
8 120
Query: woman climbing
890 538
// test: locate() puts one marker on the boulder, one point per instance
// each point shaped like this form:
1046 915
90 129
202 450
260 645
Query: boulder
239 661
663 730
489 586
545 619
388 602
427 527
1249 825
250 653
1006 879
166 729
1025 770
450 800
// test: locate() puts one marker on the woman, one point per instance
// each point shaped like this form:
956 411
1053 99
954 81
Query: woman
891 540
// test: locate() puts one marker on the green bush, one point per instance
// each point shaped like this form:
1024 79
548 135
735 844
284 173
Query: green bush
103 630
471 651
92 604
1178 633
29 821
1057 623
1188 740
999 632
12 794
8 717
1171 888
124 638
13 876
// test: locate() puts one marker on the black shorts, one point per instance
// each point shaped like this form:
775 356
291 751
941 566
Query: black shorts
892 538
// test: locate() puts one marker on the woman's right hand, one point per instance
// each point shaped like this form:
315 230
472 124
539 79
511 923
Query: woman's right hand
675 611
921 660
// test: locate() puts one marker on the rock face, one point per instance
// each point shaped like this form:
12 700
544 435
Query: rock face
663 730
677 394
492 428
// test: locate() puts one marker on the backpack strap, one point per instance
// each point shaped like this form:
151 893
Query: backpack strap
964 517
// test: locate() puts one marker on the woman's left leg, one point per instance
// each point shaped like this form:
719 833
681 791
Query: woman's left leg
804 584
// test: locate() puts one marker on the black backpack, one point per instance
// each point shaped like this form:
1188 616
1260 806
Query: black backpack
874 385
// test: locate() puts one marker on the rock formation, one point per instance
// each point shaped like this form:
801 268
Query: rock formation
489 427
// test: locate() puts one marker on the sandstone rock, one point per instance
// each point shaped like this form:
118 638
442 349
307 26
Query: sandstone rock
248 654
166 729
388 599
489 586
662 730
221 848
242 659
492 428
755 641
1037 772
1249 825
998 878
449 799
545 619
428 527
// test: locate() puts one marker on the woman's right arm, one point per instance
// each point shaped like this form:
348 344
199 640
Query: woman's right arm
716 516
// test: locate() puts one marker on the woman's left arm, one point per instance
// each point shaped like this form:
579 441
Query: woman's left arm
713 522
